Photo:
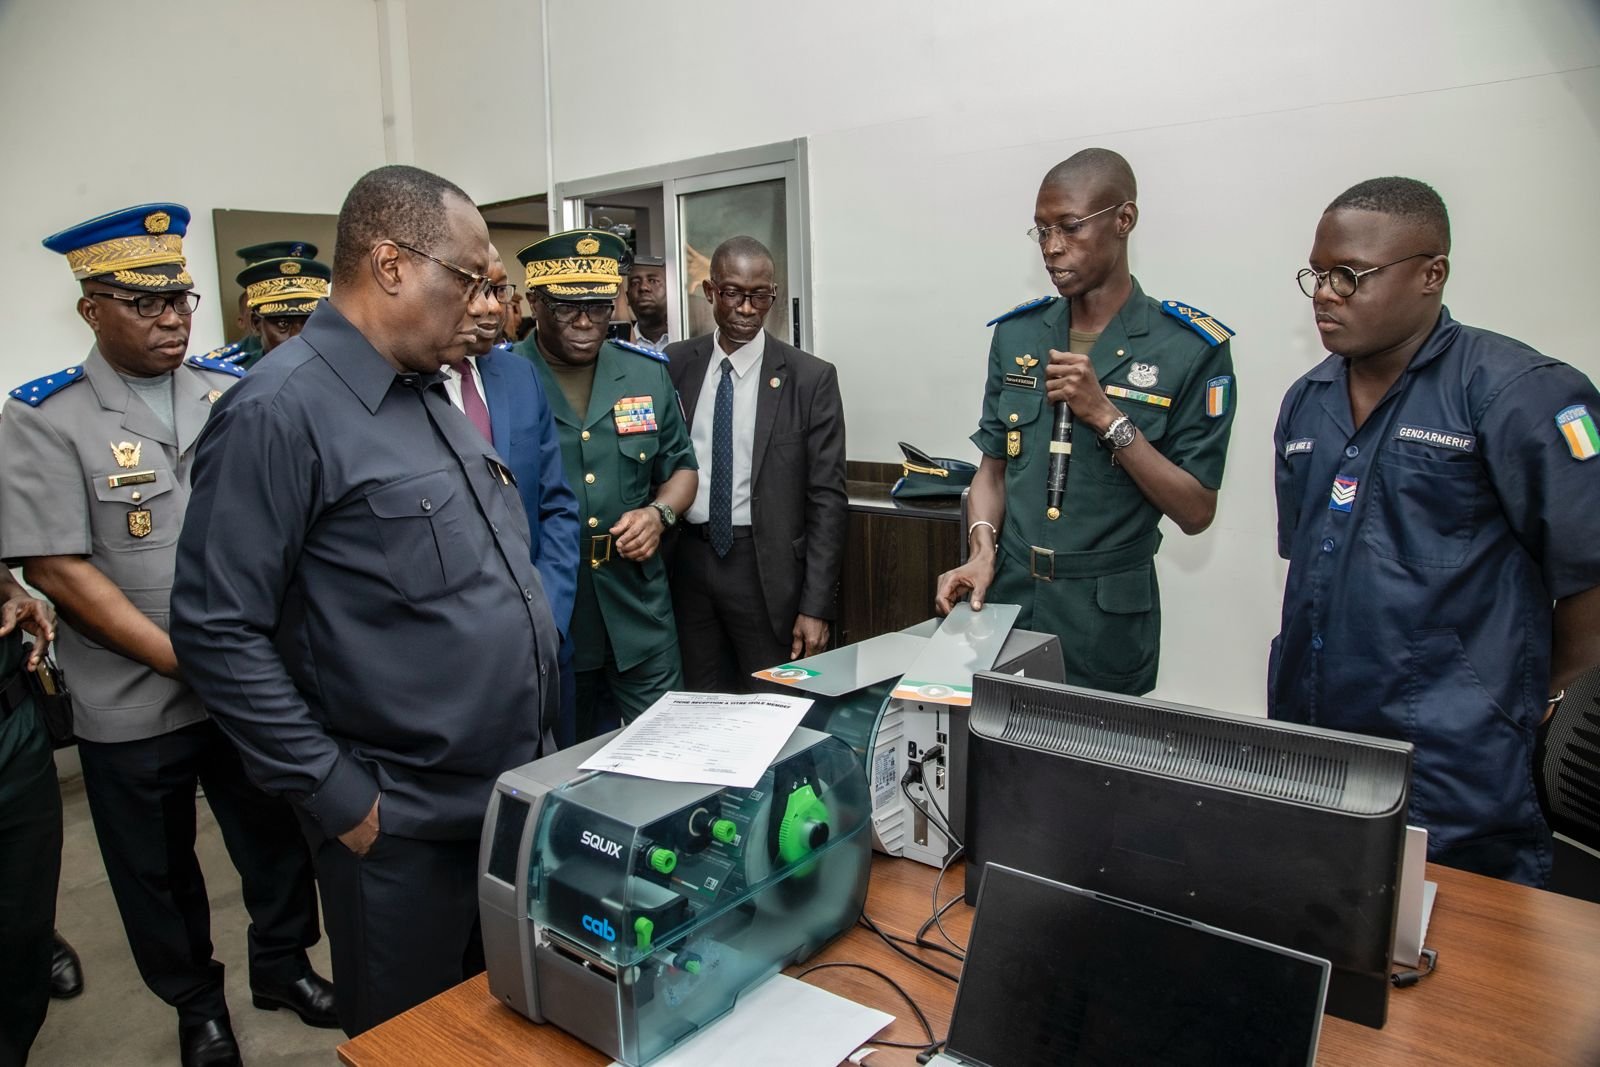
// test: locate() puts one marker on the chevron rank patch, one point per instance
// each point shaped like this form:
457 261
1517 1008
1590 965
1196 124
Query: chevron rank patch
1577 427
1213 331
1343 497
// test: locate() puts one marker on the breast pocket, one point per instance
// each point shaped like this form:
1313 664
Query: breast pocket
1423 511
1019 415
638 462
420 524
136 510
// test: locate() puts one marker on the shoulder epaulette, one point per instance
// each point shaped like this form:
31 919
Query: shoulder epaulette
39 390
1213 331
1019 309
227 352
503 346
641 350
212 363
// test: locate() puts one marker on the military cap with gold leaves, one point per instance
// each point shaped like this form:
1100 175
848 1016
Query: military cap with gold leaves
138 248
583 265
288 285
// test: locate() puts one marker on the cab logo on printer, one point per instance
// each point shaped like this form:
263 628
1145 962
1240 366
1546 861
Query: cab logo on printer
600 927
601 845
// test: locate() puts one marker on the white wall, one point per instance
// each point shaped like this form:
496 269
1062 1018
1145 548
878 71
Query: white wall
930 124
271 107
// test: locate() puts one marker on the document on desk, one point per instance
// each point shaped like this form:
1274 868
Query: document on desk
707 738
761 1029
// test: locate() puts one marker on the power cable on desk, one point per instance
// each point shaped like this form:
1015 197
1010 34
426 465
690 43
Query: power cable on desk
937 918
901 939
927 1027
920 962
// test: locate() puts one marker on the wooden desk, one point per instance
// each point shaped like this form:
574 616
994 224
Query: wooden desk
1516 984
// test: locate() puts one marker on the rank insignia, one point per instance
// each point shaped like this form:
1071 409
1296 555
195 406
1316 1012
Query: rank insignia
1143 375
1013 443
127 455
1577 426
1217 394
634 414
139 522
1343 497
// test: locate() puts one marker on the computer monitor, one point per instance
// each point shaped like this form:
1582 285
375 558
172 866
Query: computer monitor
1289 834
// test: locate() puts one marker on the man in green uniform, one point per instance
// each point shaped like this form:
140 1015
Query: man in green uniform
248 350
281 294
1151 391
30 825
628 458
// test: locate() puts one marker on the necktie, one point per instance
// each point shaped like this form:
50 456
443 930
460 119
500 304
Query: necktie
472 403
722 465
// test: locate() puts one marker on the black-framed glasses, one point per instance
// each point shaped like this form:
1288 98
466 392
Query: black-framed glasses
1041 234
760 299
1345 280
154 305
567 311
504 293
478 285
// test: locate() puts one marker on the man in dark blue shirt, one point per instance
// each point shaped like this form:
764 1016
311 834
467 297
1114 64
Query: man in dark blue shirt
1436 491
355 597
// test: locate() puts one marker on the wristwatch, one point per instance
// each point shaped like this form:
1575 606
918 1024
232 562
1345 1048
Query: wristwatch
1119 434
668 516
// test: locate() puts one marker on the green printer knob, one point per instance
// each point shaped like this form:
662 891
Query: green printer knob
725 830
663 860
643 931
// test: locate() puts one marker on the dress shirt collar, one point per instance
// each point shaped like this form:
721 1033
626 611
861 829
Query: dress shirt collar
743 358
352 357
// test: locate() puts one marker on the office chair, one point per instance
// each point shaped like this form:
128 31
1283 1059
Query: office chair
1569 788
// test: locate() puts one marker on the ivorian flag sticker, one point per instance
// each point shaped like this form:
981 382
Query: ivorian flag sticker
1577 426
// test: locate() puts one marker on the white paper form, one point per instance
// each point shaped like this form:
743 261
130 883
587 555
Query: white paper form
707 738
761 1029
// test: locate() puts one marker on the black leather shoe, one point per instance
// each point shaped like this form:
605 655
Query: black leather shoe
208 1044
66 973
310 997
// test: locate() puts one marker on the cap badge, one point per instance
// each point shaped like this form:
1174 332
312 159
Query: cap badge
157 222
588 246
1143 375
288 268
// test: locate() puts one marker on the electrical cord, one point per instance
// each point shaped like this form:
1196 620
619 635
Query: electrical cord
927 1027
918 960
1406 979
868 923
937 918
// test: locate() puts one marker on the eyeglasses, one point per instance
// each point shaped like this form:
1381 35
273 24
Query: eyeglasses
504 293
478 285
154 305
1344 280
567 312
1041 234
760 299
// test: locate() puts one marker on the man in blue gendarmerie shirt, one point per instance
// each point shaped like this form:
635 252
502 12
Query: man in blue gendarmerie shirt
1436 491
355 597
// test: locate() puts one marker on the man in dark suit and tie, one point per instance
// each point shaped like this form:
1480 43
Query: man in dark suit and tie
755 573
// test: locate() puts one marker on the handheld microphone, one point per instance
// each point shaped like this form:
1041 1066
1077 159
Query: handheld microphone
1055 486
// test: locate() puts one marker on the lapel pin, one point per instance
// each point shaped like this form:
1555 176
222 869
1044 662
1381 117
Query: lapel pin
775 382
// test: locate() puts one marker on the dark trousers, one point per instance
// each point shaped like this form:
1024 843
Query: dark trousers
605 693
724 632
402 921
141 797
30 868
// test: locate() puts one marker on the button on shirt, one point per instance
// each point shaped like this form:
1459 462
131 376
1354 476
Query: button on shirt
746 389
347 528
1425 550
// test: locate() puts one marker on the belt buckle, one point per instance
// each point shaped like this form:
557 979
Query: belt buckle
1035 555
595 559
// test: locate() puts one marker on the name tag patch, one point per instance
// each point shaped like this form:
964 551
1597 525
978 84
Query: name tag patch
1124 393
1295 448
634 414
1343 497
1022 381
1422 435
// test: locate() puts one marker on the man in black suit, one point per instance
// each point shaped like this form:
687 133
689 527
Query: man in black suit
755 573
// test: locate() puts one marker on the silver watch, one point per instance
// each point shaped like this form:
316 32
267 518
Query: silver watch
668 516
1119 434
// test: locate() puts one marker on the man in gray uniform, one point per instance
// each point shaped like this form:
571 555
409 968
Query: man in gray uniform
94 483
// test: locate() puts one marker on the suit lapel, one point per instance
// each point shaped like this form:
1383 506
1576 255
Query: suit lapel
1122 340
499 404
694 376
774 367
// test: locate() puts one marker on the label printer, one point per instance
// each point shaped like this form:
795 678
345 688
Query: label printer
631 913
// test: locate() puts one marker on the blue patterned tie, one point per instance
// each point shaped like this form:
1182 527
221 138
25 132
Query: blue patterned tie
722 465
